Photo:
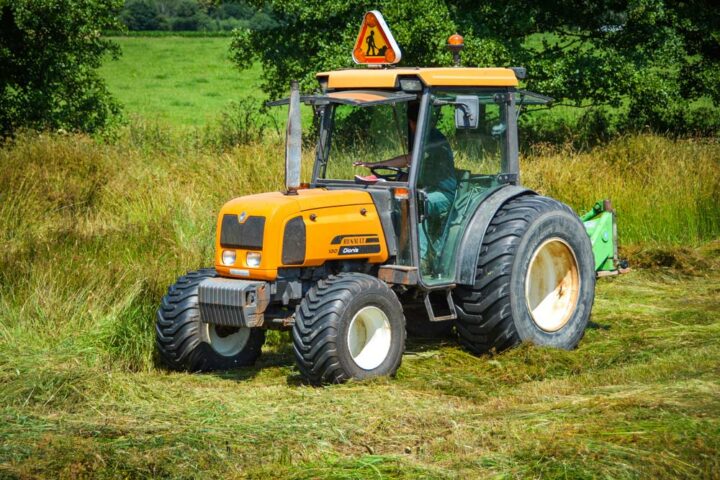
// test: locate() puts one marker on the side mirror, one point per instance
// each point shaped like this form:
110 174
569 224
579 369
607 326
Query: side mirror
467 112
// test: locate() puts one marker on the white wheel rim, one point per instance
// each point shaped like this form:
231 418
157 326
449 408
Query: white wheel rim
369 337
552 285
227 341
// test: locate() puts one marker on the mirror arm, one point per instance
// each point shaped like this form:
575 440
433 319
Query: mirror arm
466 111
460 105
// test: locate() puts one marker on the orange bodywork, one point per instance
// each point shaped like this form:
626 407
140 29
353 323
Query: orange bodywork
337 224
431 77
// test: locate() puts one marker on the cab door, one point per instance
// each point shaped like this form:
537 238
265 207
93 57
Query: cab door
462 153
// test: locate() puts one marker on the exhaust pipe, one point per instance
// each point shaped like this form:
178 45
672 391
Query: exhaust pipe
293 142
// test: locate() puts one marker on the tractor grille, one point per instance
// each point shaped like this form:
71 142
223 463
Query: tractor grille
247 235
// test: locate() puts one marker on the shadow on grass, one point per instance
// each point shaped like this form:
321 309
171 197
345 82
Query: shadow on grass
280 357
415 345
268 360
597 326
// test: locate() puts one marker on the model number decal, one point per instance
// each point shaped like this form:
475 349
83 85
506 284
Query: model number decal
359 250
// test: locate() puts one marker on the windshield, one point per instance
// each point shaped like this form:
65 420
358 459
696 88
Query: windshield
367 134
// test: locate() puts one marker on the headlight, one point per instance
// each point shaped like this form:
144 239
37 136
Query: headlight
253 259
228 257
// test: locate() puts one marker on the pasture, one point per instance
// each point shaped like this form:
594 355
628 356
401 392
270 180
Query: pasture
178 81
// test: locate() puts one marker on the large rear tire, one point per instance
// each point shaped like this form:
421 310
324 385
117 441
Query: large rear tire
349 325
535 280
184 342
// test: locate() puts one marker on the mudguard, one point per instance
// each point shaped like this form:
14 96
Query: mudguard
469 249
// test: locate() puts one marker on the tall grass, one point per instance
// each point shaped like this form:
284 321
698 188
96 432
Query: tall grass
665 191
93 233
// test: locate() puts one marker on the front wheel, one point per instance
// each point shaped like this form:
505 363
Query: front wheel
349 325
184 342
535 279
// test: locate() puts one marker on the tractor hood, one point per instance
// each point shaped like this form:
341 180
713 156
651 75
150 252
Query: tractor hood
300 230
307 199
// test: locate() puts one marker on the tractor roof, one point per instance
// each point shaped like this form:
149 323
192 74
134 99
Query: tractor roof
434 77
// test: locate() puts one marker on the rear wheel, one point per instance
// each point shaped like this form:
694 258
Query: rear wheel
535 279
184 342
349 325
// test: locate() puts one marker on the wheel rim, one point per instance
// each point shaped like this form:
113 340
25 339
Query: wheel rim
552 285
227 341
369 337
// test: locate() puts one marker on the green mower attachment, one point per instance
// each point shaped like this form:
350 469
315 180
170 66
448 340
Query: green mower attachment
601 226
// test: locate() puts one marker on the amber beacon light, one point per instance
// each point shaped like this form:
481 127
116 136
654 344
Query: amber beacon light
455 44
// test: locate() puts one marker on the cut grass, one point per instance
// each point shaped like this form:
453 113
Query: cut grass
92 234
639 398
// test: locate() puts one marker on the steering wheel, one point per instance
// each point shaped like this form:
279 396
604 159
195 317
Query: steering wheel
399 173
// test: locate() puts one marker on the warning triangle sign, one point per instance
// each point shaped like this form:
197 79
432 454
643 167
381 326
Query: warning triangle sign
375 44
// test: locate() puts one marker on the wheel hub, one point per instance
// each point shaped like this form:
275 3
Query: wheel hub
369 337
227 341
552 285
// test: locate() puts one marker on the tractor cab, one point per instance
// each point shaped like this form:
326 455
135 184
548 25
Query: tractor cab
433 141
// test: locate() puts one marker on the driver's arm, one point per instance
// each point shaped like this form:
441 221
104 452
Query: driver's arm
400 161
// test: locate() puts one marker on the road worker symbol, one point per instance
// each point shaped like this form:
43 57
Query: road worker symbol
375 44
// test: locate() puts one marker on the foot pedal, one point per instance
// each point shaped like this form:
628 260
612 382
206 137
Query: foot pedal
441 318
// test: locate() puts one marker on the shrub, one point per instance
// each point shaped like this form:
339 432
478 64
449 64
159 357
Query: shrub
243 122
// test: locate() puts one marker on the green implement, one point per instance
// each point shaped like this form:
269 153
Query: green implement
601 226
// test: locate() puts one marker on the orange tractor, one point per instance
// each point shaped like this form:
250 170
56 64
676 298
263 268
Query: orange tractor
438 233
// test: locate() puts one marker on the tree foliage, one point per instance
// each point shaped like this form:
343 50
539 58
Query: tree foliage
648 59
49 53
193 15
141 15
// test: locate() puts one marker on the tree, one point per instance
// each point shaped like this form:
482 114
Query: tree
49 53
189 16
309 36
141 15
647 59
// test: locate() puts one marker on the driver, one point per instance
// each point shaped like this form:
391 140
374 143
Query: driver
401 161
436 177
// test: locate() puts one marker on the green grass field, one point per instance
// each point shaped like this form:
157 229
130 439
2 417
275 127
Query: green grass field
93 232
180 81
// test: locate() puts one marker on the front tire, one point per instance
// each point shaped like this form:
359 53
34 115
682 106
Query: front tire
535 280
184 342
349 325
